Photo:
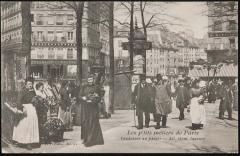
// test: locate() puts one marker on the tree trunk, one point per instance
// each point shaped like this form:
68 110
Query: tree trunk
26 36
131 36
145 33
111 48
79 14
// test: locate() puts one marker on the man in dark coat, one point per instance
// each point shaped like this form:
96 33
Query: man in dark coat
226 101
183 98
91 132
65 104
143 100
212 92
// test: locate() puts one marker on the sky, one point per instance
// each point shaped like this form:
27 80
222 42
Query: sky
190 12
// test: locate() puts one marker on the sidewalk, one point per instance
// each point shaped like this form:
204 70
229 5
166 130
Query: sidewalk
214 138
120 136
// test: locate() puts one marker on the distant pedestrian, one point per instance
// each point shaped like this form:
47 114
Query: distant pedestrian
212 92
226 101
235 95
182 98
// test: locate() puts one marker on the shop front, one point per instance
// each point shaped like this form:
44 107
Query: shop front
56 69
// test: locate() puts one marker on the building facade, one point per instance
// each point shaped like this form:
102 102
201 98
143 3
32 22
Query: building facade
15 42
222 31
54 52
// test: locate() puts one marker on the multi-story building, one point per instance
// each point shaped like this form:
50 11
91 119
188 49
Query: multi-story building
15 42
54 52
222 31
190 50
156 57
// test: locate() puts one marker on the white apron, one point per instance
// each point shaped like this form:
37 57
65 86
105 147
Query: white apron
27 129
197 111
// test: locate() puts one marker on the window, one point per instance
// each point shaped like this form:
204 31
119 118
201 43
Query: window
232 43
39 35
60 53
231 6
51 53
232 25
70 36
119 43
59 35
217 11
59 20
39 20
217 43
70 53
71 70
40 53
50 36
33 53
70 19
50 20
217 26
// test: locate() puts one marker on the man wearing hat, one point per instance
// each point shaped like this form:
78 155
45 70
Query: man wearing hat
163 103
225 101
143 100
183 97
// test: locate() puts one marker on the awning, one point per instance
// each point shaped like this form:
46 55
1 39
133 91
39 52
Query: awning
227 70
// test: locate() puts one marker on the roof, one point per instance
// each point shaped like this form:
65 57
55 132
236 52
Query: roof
227 70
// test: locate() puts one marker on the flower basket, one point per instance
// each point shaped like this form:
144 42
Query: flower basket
54 129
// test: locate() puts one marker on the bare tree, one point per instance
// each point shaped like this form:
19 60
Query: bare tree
111 49
26 39
78 7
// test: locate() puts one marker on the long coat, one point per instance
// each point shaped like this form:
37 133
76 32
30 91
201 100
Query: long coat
163 101
91 132
226 99
183 97
143 98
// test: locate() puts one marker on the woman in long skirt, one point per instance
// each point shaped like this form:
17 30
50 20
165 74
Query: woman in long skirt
26 131
40 103
197 109
91 132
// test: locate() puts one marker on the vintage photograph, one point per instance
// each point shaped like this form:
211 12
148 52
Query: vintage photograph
119 77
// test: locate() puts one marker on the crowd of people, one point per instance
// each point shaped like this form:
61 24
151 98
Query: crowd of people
156 95
45 111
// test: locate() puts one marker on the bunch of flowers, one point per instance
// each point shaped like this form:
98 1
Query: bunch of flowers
39 101
54 129
93 97
51 101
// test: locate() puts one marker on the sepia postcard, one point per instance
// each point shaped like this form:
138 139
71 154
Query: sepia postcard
119 77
